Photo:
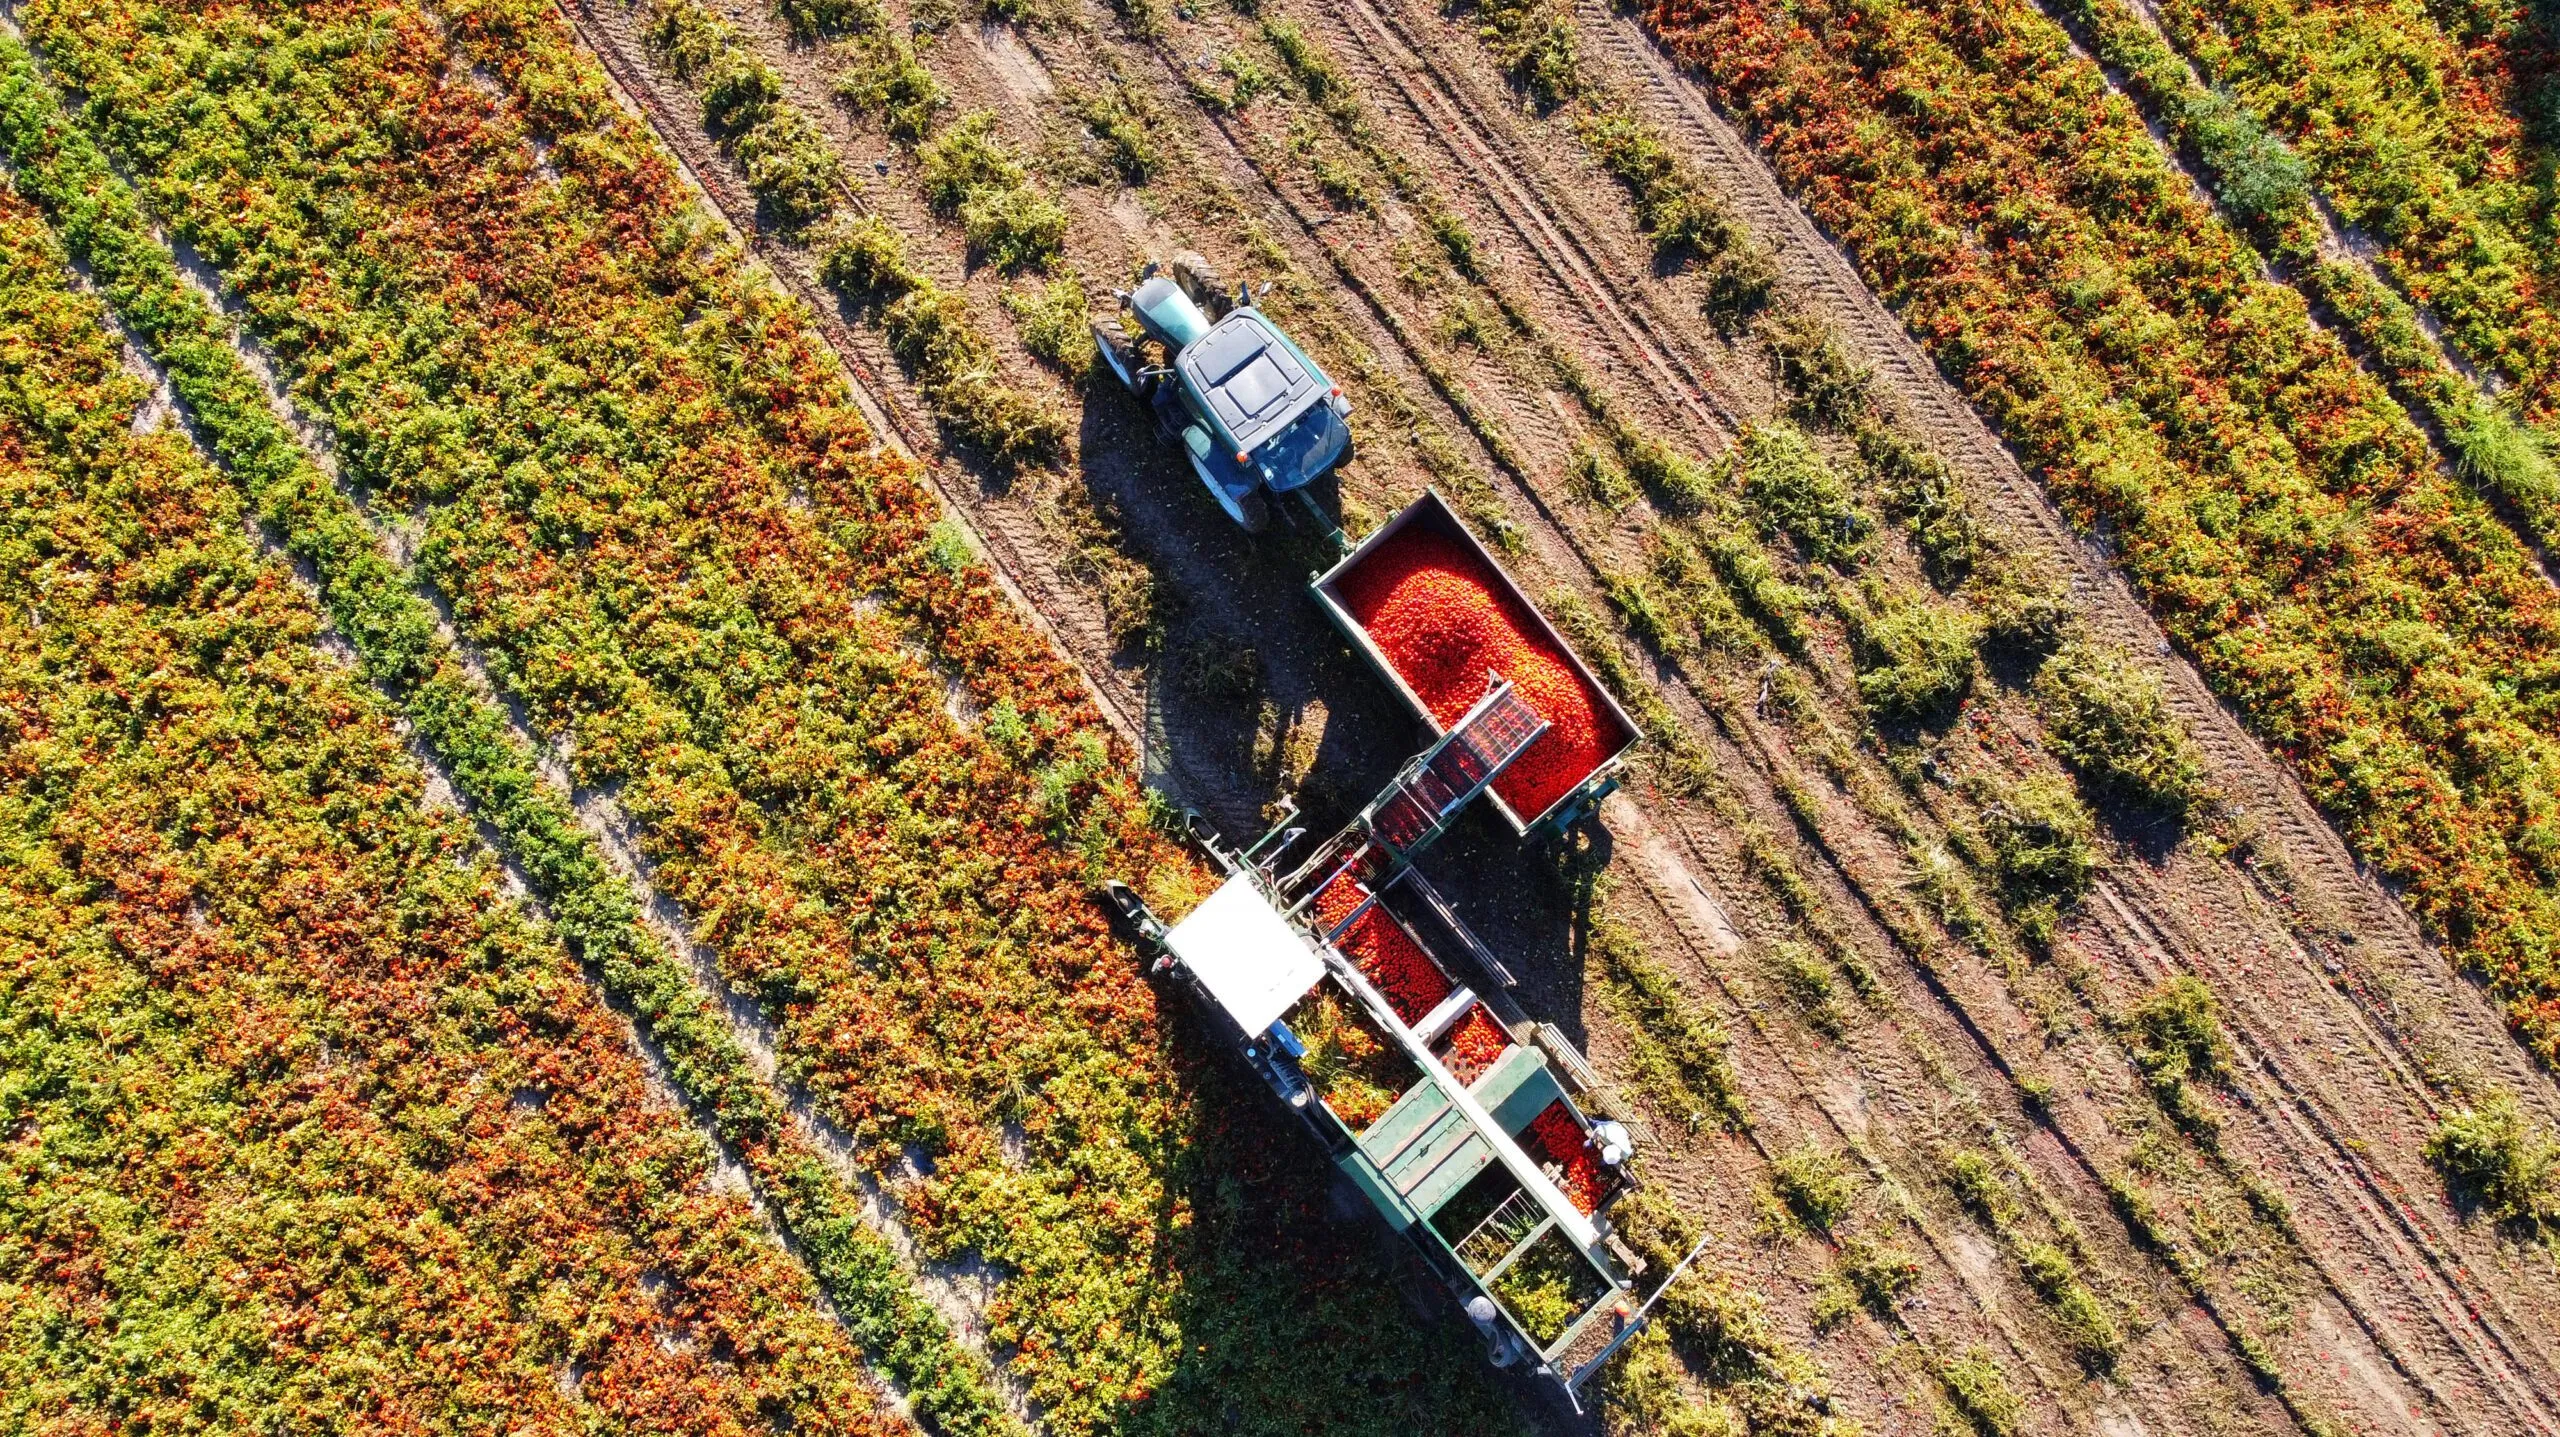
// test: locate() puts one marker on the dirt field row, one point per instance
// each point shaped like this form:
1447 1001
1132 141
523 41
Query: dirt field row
2268 1250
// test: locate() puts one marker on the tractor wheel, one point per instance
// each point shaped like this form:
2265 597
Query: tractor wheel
1199 279
1252 511
1111 342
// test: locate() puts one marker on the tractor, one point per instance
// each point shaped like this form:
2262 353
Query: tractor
1254 414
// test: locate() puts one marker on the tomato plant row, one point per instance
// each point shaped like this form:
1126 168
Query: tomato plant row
2436 139
394 633
876 794
2372 617
2267 190
310 1125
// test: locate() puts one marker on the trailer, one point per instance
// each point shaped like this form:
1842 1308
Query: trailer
1455 614
1482 1138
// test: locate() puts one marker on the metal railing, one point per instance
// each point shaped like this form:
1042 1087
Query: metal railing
1512 1222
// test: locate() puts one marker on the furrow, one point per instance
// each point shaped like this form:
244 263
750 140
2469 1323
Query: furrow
1503 172
2316 1139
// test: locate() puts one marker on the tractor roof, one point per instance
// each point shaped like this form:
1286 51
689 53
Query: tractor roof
1244 371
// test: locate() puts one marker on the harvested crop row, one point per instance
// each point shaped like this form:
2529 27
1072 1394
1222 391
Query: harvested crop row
877 797
310 1123
2287 523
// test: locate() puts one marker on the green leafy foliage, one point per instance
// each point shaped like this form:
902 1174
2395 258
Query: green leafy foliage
1919 491
2028 616
789 165
881 75
1822 384
2494 1156
1684 1055
1122 121
865 259
930 332
2111 723
2261 485
1980 1393
1015 229
1806 980
1797 492
1915 657
1537 46
790 168
1548 1286
1868 1275
1979 1185
1644 1396
1732 1345
970 173
2044 851
1811 1186
1677 483
1673 205
2177 1028
1055 323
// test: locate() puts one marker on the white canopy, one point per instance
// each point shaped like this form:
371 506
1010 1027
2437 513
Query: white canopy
1246 955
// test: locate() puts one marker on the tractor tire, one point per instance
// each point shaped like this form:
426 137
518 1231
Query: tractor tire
1199 279
1252 512
1111 344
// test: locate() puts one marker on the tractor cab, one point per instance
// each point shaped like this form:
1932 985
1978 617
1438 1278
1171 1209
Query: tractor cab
1254 414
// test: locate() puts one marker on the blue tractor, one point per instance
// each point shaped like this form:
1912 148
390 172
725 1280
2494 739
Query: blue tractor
1254 414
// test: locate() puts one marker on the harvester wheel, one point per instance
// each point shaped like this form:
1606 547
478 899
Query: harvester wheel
1199 279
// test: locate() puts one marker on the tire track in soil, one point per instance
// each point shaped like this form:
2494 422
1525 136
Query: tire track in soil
2335 1165
1394 66
1887 1071
1958 433
1531 219
1512 181
1948 994
1031 562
